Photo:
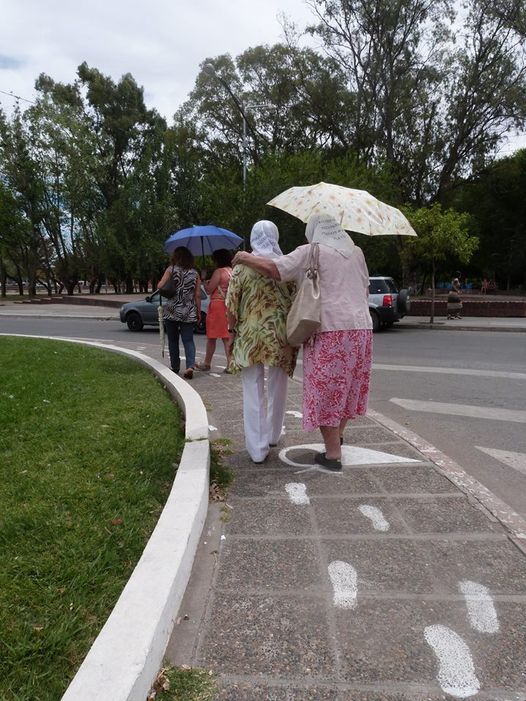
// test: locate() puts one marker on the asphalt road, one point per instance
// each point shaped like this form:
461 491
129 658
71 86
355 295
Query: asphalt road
462 391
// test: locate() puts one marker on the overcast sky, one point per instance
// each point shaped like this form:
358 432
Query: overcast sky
160 42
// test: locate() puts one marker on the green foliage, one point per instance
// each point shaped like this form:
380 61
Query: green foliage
496 201
85 471
434 83
443 236
408 99
90 167
15 232
185 684
220 474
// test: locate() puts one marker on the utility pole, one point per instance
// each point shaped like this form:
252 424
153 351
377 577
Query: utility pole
243 109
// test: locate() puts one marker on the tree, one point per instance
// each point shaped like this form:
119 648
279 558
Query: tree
15 241
495 199
22 178
291 99
432 110
442 235
90 163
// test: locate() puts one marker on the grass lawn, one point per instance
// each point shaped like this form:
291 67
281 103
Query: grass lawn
87 445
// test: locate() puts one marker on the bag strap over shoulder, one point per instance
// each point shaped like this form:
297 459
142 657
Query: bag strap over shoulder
313 268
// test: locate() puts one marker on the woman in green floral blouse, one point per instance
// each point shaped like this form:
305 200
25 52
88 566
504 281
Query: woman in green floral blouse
258 308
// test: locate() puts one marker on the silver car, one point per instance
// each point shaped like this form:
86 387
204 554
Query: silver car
386 304
142 313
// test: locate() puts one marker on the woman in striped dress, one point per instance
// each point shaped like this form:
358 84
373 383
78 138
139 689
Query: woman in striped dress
183 311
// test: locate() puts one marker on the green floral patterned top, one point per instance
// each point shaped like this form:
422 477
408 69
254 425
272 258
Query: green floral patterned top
261 306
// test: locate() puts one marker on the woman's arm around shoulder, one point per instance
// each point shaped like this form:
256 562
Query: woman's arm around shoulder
265 266
292 265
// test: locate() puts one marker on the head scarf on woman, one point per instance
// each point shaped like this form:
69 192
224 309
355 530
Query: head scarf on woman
324 229
264 239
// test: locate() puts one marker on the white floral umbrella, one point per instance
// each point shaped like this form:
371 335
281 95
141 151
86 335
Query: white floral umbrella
355 210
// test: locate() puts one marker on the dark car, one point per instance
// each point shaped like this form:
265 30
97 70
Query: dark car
142 313
386 304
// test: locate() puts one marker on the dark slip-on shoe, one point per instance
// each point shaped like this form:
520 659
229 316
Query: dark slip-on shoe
330 464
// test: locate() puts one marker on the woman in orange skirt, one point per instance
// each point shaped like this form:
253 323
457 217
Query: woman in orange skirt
216 321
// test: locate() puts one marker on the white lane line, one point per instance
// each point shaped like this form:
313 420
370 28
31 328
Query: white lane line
344 580
214 374
351 456
295 414
450 371
376 516
476 412
481 609
508 457
297 492
456 673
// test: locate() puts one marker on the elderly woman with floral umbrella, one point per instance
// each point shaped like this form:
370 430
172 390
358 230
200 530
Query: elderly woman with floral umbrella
337 359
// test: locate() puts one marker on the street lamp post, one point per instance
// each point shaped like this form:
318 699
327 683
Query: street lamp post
243 108
249 106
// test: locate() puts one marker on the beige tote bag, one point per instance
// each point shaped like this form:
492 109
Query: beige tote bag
304 317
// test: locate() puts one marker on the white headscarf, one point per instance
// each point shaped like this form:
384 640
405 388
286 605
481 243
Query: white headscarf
264 239
324 229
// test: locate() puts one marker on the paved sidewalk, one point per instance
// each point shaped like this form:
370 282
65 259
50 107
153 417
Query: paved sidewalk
385 583
86 311
58 311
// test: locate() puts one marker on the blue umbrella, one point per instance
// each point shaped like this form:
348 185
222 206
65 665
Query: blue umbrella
202 240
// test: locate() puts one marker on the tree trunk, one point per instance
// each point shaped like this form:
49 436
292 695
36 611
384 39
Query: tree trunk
432 319
3 280
19 281
70 286
32 287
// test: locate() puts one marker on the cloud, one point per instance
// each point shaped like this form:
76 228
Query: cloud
9 62
161 43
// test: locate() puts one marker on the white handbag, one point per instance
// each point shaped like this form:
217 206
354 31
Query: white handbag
304 317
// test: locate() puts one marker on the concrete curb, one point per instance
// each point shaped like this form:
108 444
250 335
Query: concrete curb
128 652
442 326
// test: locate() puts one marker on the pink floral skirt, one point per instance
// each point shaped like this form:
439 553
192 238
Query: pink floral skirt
336 377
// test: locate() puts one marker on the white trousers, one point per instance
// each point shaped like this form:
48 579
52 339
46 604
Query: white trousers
263 424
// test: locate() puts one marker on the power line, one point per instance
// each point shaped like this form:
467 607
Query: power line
17 97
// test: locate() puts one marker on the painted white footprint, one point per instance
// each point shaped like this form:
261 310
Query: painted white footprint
344 580
297 492
481 609
456 674
376 516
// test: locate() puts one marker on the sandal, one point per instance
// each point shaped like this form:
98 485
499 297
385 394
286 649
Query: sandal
202 366
189 374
